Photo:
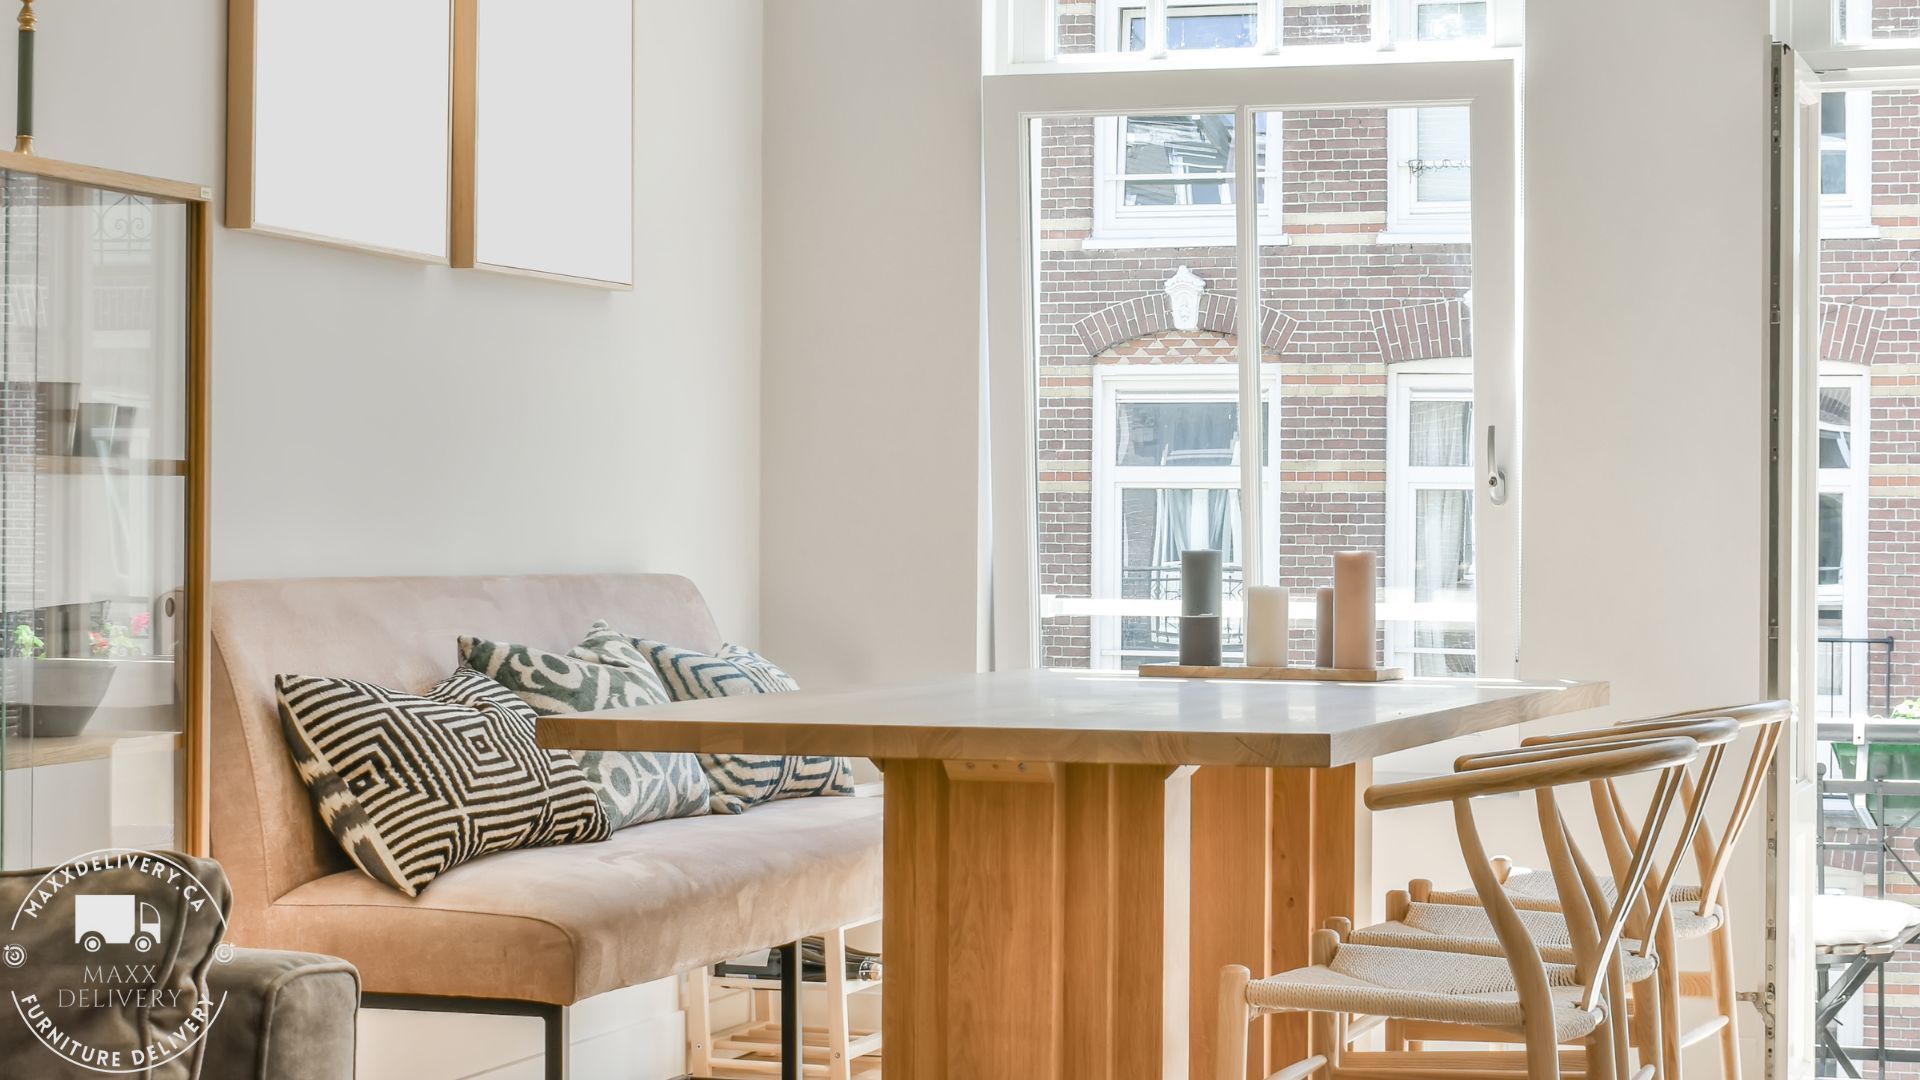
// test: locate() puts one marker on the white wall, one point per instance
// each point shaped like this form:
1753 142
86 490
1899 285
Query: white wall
375 416
870 437
1644 503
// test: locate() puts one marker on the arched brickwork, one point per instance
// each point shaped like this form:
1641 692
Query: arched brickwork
1152 313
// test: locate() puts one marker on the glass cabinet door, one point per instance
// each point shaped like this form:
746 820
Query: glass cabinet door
93 518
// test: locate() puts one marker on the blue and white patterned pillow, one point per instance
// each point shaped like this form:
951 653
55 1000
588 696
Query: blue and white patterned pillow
740 781
604 671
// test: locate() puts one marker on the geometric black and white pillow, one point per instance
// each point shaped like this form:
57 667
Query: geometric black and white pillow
604 671
743 780
412 785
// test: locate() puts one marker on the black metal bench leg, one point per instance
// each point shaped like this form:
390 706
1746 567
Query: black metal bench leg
791 1042
557 1048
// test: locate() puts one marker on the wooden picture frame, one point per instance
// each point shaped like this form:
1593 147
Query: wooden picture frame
300 148
516 73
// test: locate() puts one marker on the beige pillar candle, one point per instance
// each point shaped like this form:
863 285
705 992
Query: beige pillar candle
1323 629
1266 626
1353 610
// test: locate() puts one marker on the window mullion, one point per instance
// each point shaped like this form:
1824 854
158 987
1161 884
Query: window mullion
1266 26
1156 29
1246 200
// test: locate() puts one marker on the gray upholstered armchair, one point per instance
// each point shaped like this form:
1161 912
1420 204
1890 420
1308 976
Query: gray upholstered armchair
125 964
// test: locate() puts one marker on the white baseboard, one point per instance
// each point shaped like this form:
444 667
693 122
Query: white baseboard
634 1034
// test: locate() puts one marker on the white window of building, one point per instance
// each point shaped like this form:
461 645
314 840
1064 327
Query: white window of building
1429 176
1846 164
1429 609
1441 20
1166 479
1841 584
1167 181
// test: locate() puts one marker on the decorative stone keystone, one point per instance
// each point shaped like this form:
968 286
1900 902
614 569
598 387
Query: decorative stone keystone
1183 295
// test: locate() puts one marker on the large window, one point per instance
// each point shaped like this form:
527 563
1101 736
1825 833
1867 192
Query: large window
1132 382
1167 181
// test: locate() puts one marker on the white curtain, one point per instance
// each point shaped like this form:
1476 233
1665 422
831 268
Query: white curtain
1181 523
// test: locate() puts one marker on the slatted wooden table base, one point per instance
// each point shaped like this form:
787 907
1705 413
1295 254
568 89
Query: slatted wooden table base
1071 857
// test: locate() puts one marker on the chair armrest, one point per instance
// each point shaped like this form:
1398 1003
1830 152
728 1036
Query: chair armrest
286 1016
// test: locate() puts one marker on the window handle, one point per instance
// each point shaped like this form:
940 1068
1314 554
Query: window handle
1496 476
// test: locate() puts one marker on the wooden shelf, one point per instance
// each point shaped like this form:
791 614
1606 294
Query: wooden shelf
28 753
73 465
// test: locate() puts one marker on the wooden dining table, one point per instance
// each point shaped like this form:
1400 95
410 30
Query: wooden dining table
1072 857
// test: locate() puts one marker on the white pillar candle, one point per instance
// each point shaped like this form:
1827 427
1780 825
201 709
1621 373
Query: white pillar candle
1266 626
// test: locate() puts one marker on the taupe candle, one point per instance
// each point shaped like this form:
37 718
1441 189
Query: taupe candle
1353 609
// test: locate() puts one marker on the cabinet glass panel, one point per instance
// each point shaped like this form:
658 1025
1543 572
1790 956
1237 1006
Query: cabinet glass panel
93 517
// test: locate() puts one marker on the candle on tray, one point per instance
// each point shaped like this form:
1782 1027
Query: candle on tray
1200 582
1323 629
1353 610
1200 640
1266 626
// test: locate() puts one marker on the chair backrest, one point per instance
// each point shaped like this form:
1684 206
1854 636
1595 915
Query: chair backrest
397 632
1712 855
1596 926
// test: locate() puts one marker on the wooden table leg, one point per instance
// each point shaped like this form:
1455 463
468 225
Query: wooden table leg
1276 852
1035 921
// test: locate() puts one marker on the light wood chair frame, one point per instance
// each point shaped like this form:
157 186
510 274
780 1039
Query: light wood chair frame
1712 859
1596 927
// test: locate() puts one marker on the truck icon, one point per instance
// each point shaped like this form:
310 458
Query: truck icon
109 920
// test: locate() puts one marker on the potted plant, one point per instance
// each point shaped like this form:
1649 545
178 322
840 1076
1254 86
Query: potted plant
55 696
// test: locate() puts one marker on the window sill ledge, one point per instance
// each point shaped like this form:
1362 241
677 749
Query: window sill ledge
1097 242
1850 232
1390 236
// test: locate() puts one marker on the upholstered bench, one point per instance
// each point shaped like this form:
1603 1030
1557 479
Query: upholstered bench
529 931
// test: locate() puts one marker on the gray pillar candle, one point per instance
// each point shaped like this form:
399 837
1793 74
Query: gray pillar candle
1200 640
1323 629
1200 582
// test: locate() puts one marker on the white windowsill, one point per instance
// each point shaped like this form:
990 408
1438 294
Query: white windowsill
1850 232
1389 236
1097 242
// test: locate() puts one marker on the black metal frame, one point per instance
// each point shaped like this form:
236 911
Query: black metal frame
554 1017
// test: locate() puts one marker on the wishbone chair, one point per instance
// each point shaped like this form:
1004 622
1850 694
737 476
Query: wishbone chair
1517 997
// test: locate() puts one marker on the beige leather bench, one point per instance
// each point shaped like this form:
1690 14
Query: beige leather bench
525 932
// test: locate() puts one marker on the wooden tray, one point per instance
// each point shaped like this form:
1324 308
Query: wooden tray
1306 674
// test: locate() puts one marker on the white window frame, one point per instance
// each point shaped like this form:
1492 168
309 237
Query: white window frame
1410 219
1850 214
1424 380
1012 103
1117 225
1021 36
1117 384
1404 23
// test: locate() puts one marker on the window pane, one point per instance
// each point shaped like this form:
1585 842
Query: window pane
1832 533
1876 20
1440 433
1177 434
1450 22
1443 148
1135 345
1836 427
1367 325
1161 176
1213 29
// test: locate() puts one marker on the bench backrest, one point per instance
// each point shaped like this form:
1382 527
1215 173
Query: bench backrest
397 632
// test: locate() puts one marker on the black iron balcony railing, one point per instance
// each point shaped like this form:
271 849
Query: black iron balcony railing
1854 676
1161 633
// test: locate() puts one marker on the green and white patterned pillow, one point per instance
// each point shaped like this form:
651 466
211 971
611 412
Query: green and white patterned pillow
741 781
604 671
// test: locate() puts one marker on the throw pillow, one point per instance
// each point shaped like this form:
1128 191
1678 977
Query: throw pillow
412 785
743 780
600 673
